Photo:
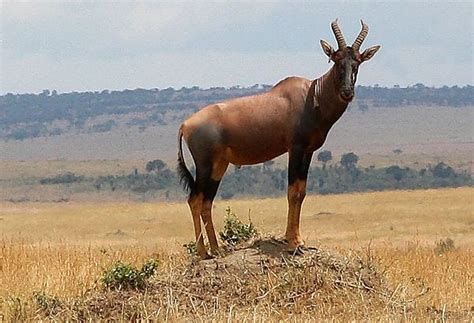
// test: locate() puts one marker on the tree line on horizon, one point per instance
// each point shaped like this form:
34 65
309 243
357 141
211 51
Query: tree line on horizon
328 177
33 115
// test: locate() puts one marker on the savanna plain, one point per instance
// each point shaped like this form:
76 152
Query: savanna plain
69 252
395 255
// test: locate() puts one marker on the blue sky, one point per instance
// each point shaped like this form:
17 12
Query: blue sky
88 46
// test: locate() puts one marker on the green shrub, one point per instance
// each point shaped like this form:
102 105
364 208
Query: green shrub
124 276
235 231
48 304
191 248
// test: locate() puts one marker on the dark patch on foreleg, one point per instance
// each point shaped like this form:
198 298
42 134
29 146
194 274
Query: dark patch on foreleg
299 162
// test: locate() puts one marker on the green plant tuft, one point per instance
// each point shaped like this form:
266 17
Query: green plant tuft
235 231
191 248
48 304
125 276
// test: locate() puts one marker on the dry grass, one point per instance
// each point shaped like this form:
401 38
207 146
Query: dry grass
59 251
339 220
412 283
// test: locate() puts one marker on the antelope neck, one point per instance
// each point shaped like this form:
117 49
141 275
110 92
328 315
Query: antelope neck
326 95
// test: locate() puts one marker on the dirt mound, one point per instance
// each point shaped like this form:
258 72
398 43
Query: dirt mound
258 280
271 255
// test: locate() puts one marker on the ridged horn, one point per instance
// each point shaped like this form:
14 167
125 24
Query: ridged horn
360 39
341 43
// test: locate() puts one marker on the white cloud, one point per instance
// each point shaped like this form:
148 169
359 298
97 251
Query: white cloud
164 70
91 46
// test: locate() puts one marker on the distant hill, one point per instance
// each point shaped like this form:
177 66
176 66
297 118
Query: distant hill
49 113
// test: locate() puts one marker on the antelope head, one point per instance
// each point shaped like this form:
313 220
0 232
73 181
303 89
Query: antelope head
347 60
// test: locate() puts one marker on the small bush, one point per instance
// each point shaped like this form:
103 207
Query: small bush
191 248
443 246
235 231
126 276
48 304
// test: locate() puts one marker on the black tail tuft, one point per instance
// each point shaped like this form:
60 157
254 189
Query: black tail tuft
185 176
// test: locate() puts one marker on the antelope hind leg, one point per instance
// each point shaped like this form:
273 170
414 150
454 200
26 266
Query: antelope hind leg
219 167
195 204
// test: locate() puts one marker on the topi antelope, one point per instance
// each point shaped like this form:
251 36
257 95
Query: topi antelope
295 116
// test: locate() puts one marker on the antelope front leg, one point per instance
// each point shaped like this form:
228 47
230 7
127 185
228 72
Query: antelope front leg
296 195
297 176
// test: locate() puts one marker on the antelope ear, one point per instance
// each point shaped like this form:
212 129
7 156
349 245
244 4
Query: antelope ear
369 53
328 50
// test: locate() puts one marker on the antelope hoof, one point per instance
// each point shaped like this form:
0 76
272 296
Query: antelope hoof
215 253
203 254
206 256
294 243
295 246
298 251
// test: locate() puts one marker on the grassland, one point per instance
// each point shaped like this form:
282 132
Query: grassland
445 132
61 250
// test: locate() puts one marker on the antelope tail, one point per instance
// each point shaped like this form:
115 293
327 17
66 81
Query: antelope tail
185 176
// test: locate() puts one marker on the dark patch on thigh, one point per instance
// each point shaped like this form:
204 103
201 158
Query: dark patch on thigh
203 142
210 189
